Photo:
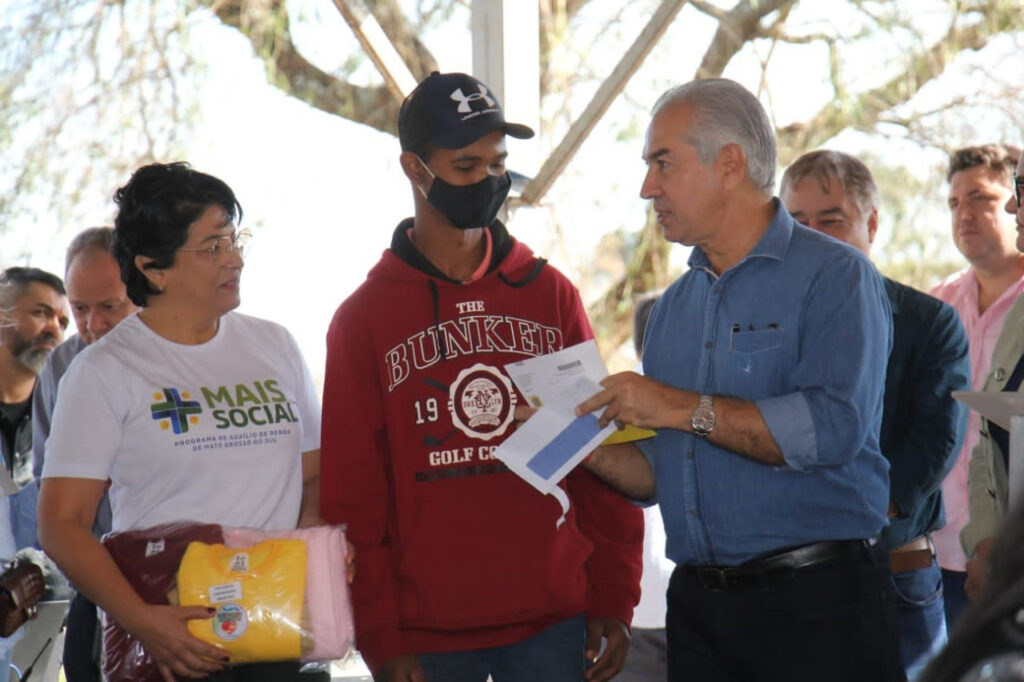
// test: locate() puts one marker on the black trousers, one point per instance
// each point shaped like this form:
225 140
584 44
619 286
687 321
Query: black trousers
833 621
80 653
267 672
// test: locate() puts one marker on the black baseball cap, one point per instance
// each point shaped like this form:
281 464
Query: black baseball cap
451 111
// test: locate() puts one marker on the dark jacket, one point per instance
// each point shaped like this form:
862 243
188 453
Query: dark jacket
922 425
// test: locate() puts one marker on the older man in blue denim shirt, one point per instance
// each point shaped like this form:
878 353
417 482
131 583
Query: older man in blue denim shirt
765 366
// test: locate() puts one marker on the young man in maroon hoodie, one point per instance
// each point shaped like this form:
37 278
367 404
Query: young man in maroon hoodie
462 569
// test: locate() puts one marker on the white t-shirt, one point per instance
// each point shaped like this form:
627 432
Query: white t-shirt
211 432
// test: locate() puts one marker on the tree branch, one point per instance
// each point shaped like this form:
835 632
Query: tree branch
863 110
716 13
647 270
735 29
265 23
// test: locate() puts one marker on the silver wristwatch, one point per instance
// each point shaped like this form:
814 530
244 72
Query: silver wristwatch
703 420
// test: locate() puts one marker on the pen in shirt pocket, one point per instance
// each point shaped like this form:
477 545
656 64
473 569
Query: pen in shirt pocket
736 328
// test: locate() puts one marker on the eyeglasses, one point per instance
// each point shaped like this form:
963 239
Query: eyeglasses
1018 188
222 246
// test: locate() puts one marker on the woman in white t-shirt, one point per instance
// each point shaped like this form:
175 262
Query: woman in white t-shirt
191 411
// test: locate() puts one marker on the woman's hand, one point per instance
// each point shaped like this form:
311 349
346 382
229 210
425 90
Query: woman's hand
164 635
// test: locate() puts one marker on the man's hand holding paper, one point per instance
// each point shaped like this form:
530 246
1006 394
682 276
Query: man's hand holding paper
631 398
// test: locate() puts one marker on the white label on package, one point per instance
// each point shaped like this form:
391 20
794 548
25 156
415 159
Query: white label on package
239 563
225 592
154 547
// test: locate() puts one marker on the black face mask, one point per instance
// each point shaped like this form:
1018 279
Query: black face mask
470 206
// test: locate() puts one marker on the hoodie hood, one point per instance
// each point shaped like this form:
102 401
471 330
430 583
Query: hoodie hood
512 262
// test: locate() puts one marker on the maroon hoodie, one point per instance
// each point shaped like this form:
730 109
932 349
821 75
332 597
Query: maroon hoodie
453 551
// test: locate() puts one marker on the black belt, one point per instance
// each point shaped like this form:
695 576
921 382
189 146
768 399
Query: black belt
777 565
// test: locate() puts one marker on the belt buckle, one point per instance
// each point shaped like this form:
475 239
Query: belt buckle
714 579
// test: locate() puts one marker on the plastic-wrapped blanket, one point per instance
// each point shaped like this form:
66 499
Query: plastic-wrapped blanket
279 595
330 612
149 559
259 593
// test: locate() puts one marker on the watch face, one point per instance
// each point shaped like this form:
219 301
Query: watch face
702 421
703 418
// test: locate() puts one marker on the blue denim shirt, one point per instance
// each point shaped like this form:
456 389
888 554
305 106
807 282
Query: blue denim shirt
801 327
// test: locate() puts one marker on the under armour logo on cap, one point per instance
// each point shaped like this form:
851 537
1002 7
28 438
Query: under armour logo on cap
464 100
427 116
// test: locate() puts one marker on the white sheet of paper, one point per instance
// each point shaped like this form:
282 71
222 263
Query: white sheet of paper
547 447
551 380
1015 474
554 440
996 406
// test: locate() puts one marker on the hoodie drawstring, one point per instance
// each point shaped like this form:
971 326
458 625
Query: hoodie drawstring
436 298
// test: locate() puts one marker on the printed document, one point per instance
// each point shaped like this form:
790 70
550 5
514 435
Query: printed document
544 449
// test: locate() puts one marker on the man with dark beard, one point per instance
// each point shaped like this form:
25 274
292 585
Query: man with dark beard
33 316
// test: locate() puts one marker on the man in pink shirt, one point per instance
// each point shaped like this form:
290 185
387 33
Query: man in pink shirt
980 182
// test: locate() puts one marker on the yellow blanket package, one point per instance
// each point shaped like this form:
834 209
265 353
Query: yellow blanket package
259 593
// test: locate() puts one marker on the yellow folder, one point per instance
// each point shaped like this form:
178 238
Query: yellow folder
628 434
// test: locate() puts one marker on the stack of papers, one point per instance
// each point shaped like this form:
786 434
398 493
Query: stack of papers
549 445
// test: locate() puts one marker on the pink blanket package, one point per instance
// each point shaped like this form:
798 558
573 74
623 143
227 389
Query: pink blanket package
330 611
279 595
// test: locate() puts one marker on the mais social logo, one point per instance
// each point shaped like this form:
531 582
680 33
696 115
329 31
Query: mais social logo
174 410
258 403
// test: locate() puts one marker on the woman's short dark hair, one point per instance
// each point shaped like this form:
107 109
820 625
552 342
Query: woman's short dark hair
155 210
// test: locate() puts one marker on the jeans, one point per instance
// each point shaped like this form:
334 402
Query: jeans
832 621
954 597
921 618
552 655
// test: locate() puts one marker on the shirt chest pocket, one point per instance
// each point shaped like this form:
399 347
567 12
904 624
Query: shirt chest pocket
753 361
755 341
